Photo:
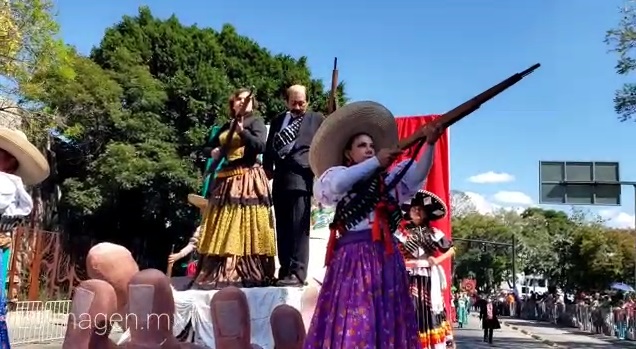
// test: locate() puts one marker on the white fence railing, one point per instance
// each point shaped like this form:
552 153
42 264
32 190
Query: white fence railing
38 322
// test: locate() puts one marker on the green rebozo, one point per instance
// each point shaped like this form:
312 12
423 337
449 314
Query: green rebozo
206 182
210 177
212 174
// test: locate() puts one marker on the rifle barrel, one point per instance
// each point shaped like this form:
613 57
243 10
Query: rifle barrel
466 108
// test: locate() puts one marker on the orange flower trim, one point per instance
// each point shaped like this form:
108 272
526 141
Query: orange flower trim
432 337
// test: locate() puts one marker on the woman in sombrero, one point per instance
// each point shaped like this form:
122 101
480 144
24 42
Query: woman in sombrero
237 245
21 163
364 301
424 248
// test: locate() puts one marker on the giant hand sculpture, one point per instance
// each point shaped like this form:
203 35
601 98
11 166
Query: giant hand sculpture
143 302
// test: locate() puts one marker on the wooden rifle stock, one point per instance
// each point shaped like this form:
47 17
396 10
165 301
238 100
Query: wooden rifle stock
466 108
332 103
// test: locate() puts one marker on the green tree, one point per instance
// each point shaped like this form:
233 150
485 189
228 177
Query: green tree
574 252
489 264
622 40
546 242
29 46
595 259
136 115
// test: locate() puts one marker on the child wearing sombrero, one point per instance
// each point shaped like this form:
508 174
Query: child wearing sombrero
424 248
364 301
21 163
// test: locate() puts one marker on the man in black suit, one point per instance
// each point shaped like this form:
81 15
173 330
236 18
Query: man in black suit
489 321
286 161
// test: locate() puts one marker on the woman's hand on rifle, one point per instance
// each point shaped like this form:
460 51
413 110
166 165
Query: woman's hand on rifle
239 124
387 156
432 132
216 152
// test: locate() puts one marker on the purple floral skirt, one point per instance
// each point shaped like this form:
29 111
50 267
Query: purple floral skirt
364 301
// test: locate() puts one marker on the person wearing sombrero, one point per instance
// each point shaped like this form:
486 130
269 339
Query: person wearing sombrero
364 301
201 203
21 163
424 248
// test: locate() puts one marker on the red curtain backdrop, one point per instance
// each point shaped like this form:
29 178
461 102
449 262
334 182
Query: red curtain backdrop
438 180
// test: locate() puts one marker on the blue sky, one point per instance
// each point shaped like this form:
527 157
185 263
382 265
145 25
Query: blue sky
423 57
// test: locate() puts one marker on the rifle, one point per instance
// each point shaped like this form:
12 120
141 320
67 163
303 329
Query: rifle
215 164
332 103
224 147
466 108
170 264
366 196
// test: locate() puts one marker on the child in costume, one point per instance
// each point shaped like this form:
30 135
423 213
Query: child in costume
424 248
201 203
364 301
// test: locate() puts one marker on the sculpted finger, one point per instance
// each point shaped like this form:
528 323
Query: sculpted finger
287 327
231 319
150 311
115 265
89 322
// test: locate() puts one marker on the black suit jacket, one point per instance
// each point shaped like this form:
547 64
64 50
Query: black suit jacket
292 172
489 323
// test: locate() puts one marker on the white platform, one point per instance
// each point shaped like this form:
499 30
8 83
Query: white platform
194 306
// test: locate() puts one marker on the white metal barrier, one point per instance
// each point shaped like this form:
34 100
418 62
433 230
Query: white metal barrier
38 322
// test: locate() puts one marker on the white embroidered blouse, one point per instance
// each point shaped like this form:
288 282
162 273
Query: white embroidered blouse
336 182
15 202
14 199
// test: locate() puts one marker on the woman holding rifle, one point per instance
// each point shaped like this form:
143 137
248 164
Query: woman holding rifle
364 301
237 245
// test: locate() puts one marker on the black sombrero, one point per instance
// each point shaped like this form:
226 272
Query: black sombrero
433 205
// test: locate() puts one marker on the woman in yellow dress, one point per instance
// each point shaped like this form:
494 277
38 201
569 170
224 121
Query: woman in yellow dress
237 245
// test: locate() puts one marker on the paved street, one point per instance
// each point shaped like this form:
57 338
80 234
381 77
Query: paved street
471 337
521 334
566 337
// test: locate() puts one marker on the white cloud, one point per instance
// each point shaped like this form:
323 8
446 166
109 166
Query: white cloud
491 177
617 219
486 206
518 202
512 197
482 205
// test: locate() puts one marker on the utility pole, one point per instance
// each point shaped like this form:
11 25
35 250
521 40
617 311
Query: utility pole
513 247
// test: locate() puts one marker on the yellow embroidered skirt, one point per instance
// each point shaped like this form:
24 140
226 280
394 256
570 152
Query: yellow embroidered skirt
237 245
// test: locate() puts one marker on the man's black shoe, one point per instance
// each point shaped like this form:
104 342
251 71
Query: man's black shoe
291 281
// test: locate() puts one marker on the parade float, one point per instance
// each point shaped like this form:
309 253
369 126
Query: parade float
192 321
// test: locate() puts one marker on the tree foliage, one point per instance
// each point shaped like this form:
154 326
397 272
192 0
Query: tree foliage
622 41
29 47
136 114
570 251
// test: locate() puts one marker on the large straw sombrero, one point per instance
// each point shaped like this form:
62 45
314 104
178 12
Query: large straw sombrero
368 117
434 206
198 201
32 165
